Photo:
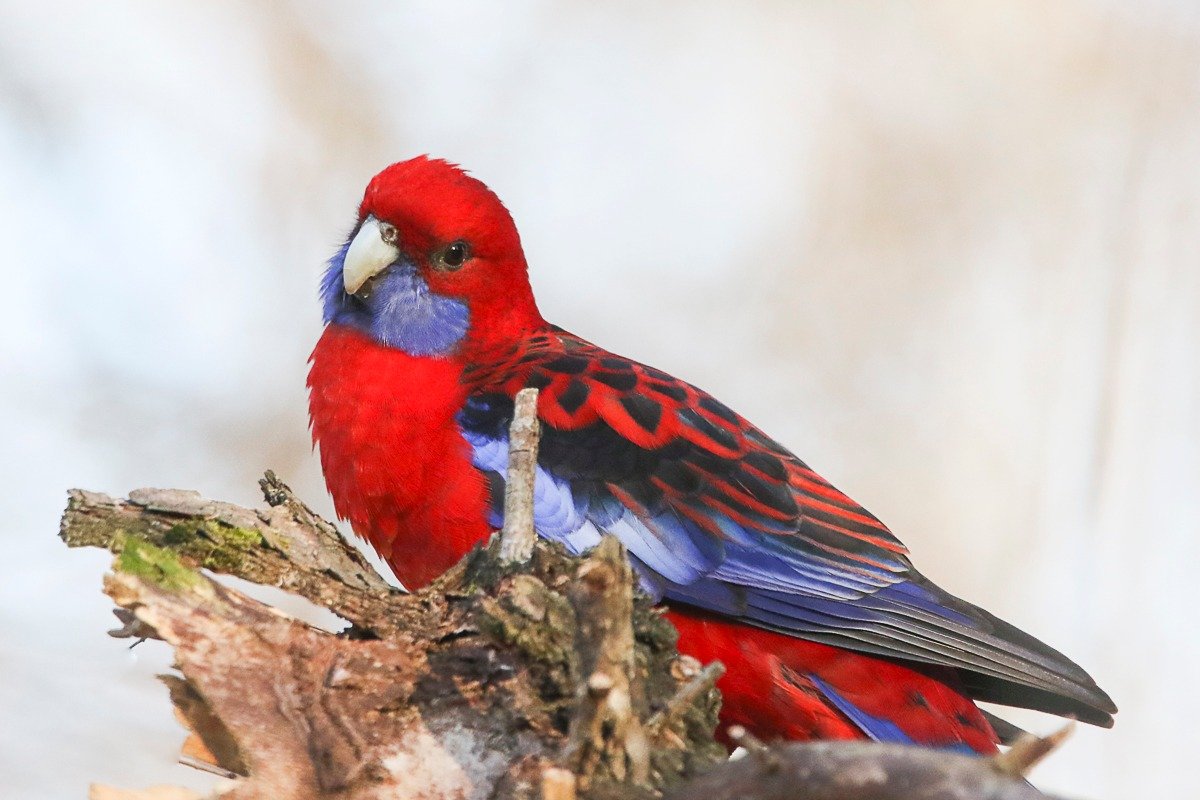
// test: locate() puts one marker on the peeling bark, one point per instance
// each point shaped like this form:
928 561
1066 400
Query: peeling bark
466 689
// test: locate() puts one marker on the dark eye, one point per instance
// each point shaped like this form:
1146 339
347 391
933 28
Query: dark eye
453 256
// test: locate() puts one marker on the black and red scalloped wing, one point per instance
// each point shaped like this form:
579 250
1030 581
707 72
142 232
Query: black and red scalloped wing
716 514
662 446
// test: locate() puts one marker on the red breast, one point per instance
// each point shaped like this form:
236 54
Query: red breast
393 454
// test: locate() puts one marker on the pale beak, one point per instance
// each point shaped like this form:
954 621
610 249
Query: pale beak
372 251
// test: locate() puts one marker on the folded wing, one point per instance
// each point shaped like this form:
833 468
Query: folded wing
716 515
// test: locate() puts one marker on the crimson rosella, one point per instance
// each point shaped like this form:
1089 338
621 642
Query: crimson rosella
825 627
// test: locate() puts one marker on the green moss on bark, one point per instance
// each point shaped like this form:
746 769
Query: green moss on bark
157 565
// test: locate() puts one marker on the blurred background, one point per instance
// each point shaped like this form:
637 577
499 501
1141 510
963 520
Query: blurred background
949 253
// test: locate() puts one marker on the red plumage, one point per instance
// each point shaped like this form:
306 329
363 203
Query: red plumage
810 601
395 460
766 689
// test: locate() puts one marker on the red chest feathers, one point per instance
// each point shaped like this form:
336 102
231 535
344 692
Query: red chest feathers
393 455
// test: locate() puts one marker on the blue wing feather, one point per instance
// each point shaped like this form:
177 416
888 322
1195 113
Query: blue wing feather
879 729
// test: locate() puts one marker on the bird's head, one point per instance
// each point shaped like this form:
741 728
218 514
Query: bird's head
434 266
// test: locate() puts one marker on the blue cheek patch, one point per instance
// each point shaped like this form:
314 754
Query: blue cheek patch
407 316
334 300
400 312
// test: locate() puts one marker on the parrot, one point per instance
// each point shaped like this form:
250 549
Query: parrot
825 627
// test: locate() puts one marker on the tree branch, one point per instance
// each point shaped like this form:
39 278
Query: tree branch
855 771
465 689
285 545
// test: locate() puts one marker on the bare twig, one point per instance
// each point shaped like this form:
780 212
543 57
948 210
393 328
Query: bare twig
204 765
699 683
517 536
745 739
1028 750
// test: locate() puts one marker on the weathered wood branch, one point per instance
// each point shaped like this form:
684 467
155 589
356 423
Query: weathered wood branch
855 771
521 673
466 689
285 545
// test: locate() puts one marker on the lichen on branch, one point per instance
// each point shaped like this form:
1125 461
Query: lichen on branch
465 689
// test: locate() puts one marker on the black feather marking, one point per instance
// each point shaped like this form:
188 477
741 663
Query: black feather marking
722 437
760 439
570 365
672 390
489 414
647 495
573 344
821 515
539 380
709 461
819 532
679 477
778 496
968 721
767 464
621 381
645 412
719 409
676 449
530 357
720 498
657 374
574 396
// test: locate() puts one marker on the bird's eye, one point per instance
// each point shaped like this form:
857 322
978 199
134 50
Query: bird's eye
453 256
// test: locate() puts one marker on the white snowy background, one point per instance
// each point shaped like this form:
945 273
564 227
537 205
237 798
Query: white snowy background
949 253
